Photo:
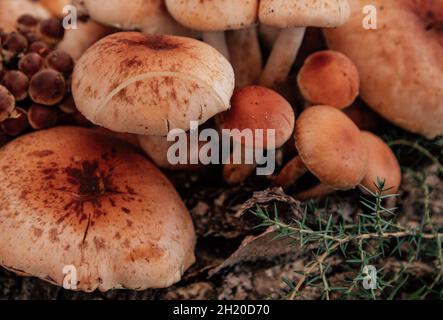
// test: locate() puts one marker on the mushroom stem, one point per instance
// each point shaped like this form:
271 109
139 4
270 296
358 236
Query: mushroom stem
218 41
245 55
319 191
283 56
290 173
237 173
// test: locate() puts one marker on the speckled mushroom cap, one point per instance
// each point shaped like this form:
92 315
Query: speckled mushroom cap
258 107
150 16
214 15
383 165
10 11
304 13
331 147
401 65
148 85
74 197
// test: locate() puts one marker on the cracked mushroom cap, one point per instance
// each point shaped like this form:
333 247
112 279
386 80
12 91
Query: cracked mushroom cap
329 78
400 71
258 107
383 165
11 10
147 85
214 15
150 16
331 147
74 197
304 13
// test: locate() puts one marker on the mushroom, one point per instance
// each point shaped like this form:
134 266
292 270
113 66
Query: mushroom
331 147
293 16
256 108
10 11
151 17
76 41
56 7
16 123
7 103
47 87
80 199
142 84
215 17
400 62
245 56
383 166
17 83
329 78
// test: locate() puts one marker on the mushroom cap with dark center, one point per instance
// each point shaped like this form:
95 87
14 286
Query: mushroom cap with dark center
134 83
258 107
329 78
383 166
331 147
76 197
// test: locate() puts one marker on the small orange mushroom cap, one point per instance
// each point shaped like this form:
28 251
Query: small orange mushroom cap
258 107
332 147
383 165
329 78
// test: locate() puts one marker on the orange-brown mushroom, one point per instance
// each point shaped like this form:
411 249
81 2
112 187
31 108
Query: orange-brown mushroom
330 146
329 78
383 166
255 108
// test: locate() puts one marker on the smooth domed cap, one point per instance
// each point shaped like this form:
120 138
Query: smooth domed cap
329 78
383 165
332 147
215 15
304 13
11 10
56 7
401 72
258 107
148 85
150 16
74 197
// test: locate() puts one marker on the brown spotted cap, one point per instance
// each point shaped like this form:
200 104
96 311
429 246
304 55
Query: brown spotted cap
76 197
143 84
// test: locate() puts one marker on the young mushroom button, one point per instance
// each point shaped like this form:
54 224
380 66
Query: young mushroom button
134 83
293 16
329 78
257 108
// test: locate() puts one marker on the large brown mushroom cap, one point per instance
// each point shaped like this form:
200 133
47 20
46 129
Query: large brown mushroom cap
72 196
331 147
383 165
215 15
304 13
148 85
258 107
400 63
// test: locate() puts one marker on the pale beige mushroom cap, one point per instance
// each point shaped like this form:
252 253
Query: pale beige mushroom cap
74 197
304 13
11 10
150 16
56 7
148 85
214 15
400 63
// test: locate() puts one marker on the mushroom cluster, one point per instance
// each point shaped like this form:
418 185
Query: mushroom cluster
141 69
